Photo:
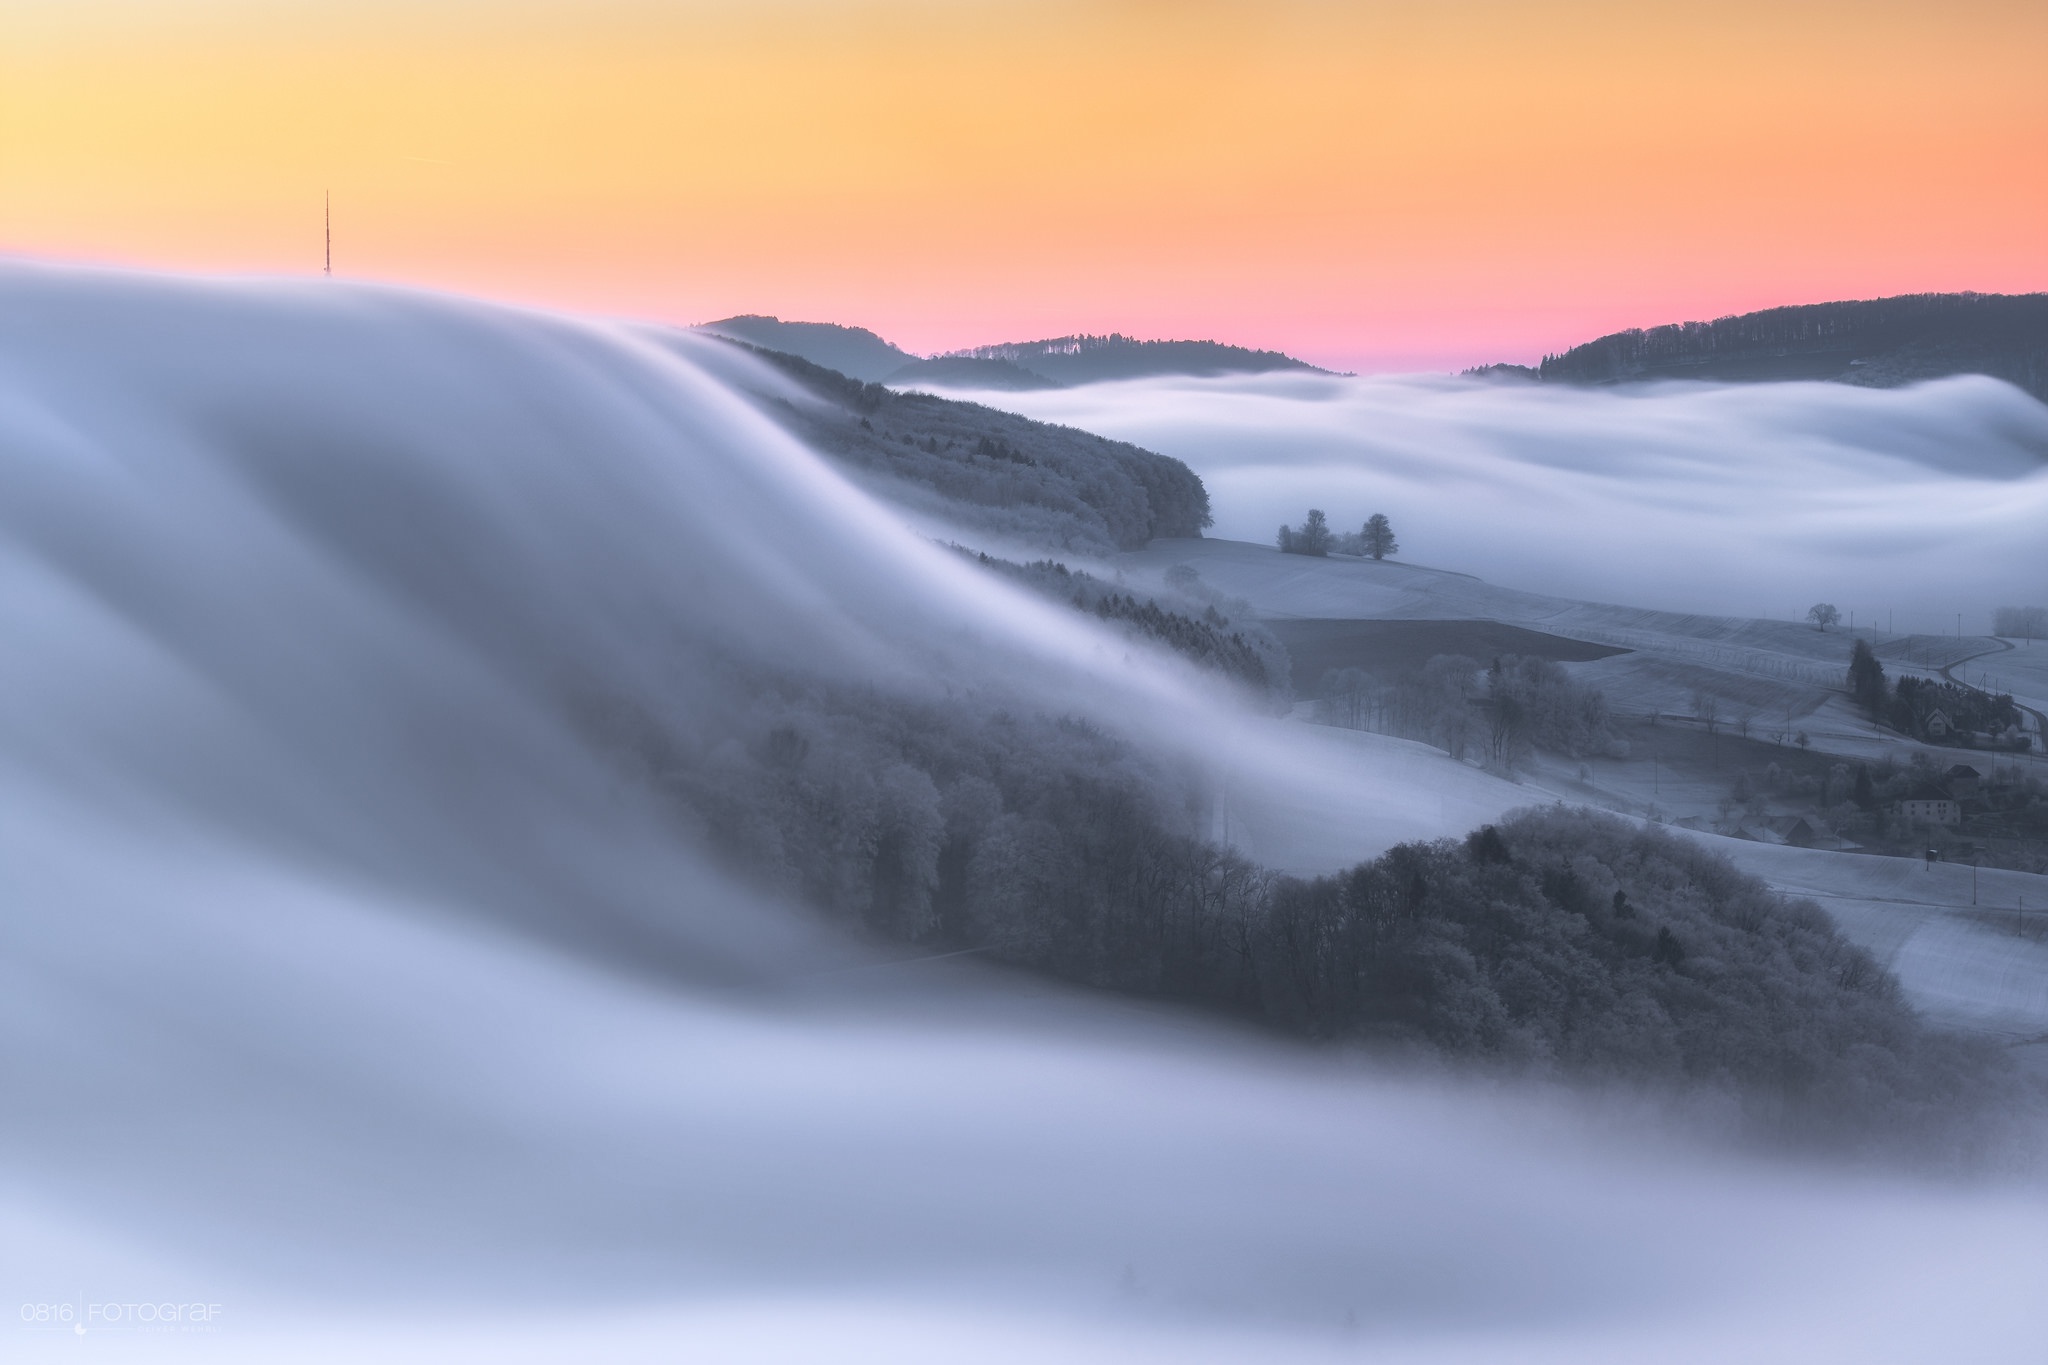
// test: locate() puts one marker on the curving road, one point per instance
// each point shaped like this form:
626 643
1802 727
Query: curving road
2040 721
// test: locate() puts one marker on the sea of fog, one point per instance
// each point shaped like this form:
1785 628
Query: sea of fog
1901 505
354 1006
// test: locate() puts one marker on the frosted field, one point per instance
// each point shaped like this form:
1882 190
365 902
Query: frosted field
348 989
1966 965
1781 674
1745 500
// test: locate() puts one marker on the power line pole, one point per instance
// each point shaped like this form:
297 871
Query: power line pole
327 202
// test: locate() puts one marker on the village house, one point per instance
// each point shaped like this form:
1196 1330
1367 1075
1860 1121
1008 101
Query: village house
1963 781
1937 725
1930 804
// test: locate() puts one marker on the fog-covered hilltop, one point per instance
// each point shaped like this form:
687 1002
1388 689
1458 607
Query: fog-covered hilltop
1880 343
853 351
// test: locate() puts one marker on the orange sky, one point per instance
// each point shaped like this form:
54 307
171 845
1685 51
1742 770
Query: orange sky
1369 185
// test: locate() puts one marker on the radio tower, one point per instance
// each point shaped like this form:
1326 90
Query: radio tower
327 201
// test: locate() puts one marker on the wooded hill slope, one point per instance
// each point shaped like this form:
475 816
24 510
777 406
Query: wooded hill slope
1032 483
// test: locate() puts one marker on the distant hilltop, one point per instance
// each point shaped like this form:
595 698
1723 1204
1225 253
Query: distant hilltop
1056 363
1089 359
1878 343
853 351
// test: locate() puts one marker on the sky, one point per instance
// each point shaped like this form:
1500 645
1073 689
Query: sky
1370 186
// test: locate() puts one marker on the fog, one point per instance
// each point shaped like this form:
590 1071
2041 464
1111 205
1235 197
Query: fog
1748 500
349 987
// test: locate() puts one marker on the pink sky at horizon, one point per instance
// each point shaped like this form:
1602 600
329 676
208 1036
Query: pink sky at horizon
1367 186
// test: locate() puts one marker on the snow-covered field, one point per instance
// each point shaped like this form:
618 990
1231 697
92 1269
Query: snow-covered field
1779 676
346 990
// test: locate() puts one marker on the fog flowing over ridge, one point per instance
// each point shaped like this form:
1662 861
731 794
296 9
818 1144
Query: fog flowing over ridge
1740 500
348 983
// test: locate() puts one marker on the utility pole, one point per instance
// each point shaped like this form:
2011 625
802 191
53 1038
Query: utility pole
327 203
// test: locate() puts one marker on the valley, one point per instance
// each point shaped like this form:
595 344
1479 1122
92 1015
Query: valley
1957 935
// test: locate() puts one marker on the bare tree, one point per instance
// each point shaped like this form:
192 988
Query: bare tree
1823 615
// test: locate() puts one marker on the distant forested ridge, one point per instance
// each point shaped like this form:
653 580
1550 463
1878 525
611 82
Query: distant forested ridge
1051 487
1054 363
1880 343
1088 359
853 351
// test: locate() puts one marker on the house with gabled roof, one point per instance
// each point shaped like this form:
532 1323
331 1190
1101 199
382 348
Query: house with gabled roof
1930 804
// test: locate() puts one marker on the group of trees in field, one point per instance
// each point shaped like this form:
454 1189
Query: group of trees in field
1909 704
1517 704
1375 540
1559 942
2020 623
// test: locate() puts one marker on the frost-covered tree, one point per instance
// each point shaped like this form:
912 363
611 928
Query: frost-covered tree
2029 623
1312 537
1866 676
1378 536
1823 615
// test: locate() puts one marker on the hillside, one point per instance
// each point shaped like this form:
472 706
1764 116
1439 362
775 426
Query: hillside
852 351
1880 343
1090 359
977 469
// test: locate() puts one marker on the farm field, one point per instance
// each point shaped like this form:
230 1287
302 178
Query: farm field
1778 677
1317 646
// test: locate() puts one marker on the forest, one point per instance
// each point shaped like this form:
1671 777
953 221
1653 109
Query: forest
1517 704
1561 942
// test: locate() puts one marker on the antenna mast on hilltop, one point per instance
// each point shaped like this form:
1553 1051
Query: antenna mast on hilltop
327 202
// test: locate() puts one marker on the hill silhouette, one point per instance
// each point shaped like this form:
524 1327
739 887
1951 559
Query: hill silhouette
1083 359
852 351
1879 343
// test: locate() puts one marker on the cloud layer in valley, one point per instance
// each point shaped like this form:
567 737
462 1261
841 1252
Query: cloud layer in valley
1752 500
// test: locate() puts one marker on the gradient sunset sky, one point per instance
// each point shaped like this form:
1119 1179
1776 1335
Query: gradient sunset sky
1371 186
